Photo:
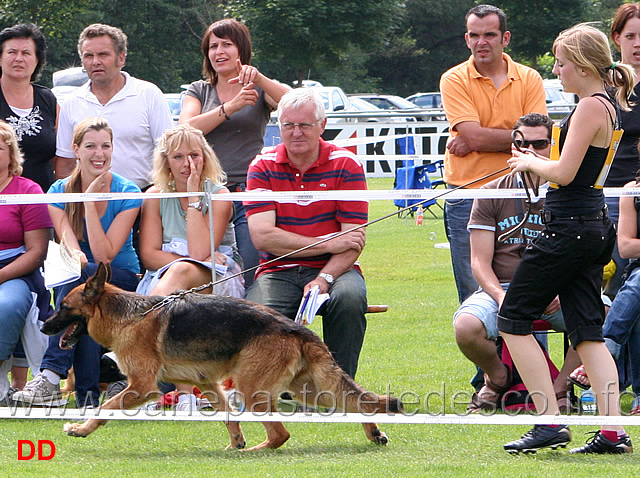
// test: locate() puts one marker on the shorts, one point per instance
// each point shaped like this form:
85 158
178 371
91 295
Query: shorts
482 306
566 259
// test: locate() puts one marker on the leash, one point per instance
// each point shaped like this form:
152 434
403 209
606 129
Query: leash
173 297
517 138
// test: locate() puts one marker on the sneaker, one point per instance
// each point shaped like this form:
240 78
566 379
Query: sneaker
540 436
40 391
8 399
598 443
115 388
185 407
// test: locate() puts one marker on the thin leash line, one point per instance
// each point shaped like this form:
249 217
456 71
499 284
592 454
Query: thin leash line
170 298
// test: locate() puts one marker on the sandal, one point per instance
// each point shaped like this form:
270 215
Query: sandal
488 397
575 376
565 404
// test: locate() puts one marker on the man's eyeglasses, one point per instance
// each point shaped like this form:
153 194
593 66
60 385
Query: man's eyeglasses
535 144
304 127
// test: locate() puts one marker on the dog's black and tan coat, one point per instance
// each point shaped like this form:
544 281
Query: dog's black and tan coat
203 339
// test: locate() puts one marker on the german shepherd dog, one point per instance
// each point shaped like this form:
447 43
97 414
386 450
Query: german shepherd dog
202 340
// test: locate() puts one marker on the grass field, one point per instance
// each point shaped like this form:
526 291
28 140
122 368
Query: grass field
408 349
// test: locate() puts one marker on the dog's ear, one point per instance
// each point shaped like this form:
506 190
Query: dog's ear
108 266
95 284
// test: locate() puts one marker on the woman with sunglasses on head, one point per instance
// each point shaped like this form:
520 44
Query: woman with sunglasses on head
567 258
232 106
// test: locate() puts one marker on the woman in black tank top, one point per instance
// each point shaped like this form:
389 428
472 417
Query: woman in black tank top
567 258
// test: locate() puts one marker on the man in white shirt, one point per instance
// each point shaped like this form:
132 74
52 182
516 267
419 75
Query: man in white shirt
135 109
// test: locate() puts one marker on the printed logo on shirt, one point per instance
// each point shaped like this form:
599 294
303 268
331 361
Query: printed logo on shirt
525 233
26 125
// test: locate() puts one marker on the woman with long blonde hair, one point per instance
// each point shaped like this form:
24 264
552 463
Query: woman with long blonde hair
568 256
175 244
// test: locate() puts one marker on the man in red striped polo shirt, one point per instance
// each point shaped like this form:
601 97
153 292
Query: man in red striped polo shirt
304 162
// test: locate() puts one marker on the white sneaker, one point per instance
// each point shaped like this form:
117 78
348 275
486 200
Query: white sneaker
40 391
185 407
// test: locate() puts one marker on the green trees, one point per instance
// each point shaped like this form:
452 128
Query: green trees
391 46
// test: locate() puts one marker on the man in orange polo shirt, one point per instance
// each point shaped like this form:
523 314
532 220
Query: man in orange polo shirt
483 98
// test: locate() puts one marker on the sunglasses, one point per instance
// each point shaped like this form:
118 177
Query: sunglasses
535 144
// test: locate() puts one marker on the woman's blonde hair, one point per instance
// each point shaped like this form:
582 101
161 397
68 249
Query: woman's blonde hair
75 210
8 135
170 141
588 48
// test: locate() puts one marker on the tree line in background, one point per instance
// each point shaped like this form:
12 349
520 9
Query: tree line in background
387 46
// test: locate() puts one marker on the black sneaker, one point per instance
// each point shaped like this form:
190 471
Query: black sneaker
598 443
540 436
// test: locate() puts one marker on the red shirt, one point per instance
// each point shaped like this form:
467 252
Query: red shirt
335 169
18 218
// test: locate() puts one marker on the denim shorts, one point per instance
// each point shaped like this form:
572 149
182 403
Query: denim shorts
482 306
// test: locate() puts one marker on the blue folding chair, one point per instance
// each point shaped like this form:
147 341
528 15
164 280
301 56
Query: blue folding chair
436 168
413 177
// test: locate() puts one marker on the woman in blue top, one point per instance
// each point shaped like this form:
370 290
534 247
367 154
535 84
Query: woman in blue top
102 232
568 256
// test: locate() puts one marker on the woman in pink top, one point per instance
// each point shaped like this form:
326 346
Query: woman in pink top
23 245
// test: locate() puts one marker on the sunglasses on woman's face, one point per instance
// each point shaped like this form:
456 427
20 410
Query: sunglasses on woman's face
535 144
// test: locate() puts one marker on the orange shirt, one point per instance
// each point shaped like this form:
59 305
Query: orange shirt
469 96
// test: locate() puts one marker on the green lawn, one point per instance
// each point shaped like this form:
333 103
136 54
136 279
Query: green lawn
408 349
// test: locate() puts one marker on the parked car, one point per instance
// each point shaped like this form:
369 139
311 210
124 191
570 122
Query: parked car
431 100
389 102
559 103
307 83
67 81
174 100
426 100
385 102
554 86
379 113
335 101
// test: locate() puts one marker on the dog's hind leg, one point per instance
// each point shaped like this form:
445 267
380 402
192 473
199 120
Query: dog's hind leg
333 387
136 393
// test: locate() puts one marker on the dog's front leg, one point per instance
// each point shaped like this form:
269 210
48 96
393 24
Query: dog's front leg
134 395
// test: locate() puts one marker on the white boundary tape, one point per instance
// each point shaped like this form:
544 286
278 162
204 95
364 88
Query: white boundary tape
296 196
305 197
306 417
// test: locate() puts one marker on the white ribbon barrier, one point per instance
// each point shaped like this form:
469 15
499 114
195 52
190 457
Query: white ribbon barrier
297 196
308 417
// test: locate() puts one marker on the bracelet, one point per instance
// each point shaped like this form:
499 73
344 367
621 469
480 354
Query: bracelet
196 205
224 112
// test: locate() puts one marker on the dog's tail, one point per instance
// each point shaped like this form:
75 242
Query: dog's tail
337 390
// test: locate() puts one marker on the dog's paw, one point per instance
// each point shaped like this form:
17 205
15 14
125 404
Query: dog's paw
379 438
237 443
74 430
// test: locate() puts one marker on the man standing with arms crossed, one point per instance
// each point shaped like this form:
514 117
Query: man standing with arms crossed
482 98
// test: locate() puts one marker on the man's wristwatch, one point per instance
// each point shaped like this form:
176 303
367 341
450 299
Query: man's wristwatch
196 205
328 277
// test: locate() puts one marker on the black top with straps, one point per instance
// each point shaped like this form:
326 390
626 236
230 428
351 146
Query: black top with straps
579 197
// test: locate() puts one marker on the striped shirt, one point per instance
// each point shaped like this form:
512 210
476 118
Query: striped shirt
335 169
